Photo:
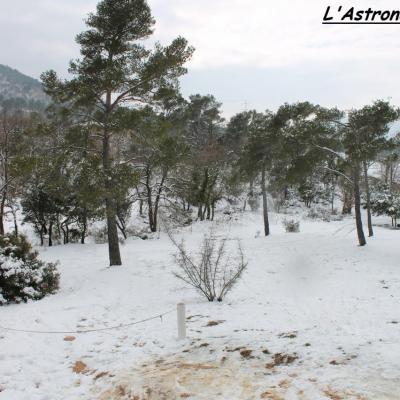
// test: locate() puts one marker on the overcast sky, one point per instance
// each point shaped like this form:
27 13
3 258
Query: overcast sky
256 52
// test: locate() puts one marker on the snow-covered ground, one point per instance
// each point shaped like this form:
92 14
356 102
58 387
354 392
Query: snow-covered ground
314 317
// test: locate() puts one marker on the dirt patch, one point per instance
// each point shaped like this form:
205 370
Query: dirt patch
80 368
271 395
333 394
246 353
181 379
282 359
100 375
214 323
224 376
288 335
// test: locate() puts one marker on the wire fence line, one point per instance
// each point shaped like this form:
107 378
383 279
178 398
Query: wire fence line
110 328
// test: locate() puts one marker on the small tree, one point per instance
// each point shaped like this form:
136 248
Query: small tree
215 269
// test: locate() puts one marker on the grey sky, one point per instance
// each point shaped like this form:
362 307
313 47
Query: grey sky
259 52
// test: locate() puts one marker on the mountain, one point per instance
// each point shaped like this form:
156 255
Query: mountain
21 91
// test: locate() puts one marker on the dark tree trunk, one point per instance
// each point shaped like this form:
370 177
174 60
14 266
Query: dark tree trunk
2 206
370 229
42 232
265 201
333 199
157 201
357 205
151 208
15 221
5 188
203 196
141 207
51 234
112 233
112 230
84 229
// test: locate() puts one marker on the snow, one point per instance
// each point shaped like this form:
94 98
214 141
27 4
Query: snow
313 295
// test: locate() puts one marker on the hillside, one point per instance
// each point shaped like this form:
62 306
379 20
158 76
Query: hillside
19 90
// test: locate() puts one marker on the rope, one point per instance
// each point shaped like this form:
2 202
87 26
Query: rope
89 330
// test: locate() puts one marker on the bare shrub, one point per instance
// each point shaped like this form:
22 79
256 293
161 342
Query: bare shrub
291 225
324 214
215 269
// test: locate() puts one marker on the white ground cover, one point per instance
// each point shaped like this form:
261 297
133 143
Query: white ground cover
314 317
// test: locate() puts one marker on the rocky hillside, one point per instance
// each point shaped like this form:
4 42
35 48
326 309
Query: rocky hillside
20 91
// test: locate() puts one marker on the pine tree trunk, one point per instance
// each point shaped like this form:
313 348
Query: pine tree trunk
84 228
357 205
5 188
141 207
265 201
150 206
51 234
42 232
1 223
14 213
2 206
370 229
208 212
112 230
157 201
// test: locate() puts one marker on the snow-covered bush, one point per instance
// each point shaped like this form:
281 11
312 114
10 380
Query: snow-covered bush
323 214
384 202
291 225
23 276
214 270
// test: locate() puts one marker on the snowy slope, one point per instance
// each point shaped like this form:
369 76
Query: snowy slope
328 307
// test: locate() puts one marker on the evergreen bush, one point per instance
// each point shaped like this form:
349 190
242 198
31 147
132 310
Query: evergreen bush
23 276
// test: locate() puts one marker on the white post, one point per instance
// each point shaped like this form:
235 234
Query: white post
181 308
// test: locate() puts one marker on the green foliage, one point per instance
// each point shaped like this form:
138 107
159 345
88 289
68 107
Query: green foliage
365 134
23 276
384 201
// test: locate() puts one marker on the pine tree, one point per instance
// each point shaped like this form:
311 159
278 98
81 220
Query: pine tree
116 69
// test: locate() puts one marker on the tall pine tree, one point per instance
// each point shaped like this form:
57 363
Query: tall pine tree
116 69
